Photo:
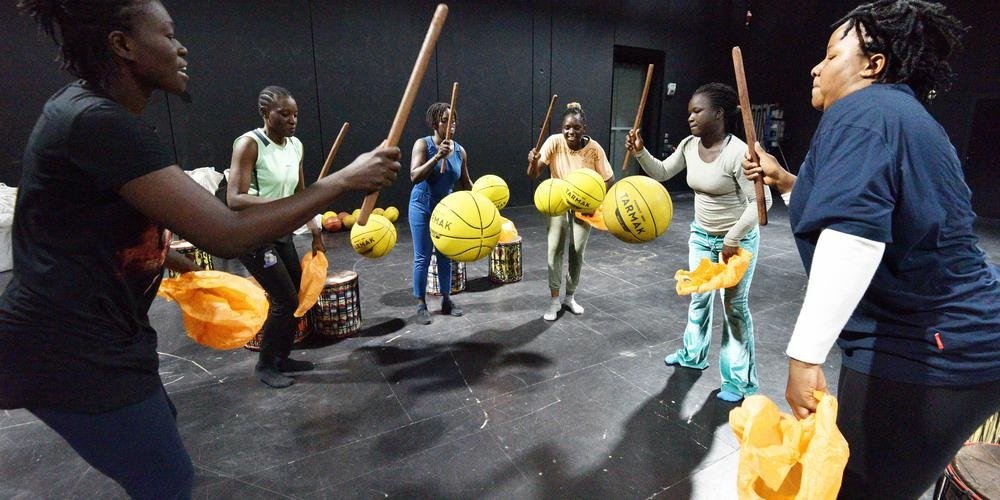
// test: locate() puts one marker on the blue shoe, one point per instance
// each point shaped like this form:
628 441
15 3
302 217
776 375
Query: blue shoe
671 360
729 397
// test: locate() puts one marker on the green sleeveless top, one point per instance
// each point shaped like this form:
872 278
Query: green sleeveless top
276 173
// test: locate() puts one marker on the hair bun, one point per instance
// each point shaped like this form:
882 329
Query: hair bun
573 105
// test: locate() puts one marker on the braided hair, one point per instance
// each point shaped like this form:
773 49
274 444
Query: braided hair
915 36
269 97
80 29
435 113
723 98
575 109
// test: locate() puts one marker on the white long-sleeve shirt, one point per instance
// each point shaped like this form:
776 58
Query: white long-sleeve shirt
724 200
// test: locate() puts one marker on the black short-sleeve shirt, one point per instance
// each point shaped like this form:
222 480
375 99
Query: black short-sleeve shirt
74 331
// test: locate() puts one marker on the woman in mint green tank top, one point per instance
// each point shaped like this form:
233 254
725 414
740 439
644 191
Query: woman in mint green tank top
267 166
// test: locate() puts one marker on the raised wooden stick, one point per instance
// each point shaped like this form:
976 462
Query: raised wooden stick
409 95
545 124
638 114
333 151
751 132
451 114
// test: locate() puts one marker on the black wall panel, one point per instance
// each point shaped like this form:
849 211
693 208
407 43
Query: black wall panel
488 52
350 61
364 55
234 50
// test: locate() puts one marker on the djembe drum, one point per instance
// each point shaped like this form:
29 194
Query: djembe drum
972 474
457 277
505 262
201 258
303 327
337 313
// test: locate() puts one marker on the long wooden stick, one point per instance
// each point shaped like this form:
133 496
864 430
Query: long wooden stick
751 132
638 114
333 151
409 95
545 124
451 114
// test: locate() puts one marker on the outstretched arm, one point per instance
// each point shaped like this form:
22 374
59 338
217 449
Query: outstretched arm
171 197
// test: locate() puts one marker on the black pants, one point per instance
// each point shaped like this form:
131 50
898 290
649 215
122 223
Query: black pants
902 436
276 267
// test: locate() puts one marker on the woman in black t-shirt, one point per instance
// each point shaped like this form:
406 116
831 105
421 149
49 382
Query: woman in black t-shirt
97 193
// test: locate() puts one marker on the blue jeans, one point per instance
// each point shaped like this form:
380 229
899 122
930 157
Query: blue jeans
138 446
736 361
419 217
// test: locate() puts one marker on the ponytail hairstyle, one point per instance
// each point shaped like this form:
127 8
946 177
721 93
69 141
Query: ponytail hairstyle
435 113
575 109
722 97
80 29
269 97
916 38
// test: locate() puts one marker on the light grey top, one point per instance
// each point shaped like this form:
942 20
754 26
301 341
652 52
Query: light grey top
724 200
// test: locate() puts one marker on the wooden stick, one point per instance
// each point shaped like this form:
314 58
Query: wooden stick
333 151
451 113
545 124
751 132
638 114
409 95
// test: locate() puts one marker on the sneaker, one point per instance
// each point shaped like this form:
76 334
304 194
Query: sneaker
423 317
729 397
671 360
553 312
573 307
449 308
289 365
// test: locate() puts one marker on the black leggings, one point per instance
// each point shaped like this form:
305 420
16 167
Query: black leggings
138 446
902 436
276 267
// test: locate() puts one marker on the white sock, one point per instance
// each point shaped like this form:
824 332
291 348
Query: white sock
572 305
553 311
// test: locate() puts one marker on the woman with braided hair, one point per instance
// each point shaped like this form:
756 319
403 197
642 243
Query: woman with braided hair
98 193
725 213
883 222
267 166
430 185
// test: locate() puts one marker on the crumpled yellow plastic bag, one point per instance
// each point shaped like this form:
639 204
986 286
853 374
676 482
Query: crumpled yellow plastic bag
313 280
220 310
596 220
710 275
785 458
508 232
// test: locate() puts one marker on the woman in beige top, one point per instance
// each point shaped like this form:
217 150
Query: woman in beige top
563 153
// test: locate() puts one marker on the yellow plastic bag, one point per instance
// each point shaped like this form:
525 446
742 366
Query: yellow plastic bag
785 458
596 220
220 310
313 279
508 232
710 275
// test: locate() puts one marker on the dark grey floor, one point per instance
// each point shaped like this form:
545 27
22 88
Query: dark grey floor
497 403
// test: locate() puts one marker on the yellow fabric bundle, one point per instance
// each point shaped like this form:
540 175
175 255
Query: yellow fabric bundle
313 280
710 275
596 219
220 310
508 232
785 458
